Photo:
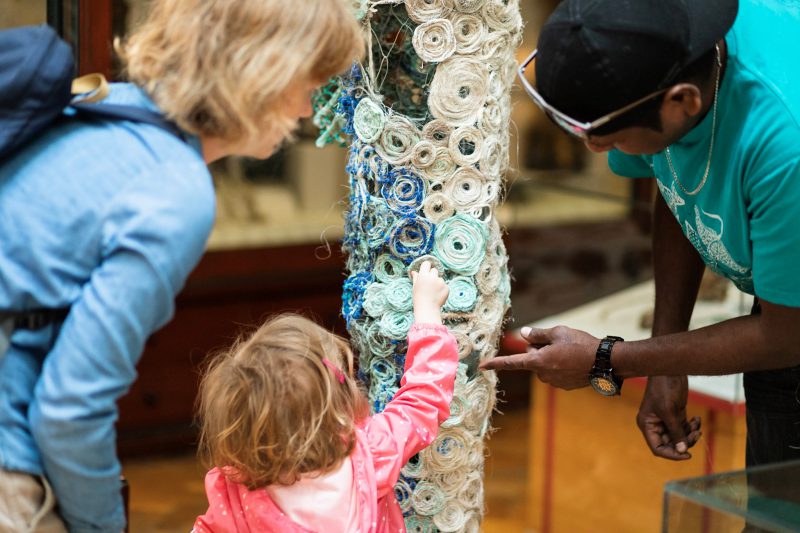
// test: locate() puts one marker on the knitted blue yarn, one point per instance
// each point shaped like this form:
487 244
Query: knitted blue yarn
348 101
345 108
381 394
410 237
403 190
402 492
353 295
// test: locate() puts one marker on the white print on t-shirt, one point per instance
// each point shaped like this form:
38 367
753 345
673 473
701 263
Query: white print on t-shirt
672 198
708 242
715 254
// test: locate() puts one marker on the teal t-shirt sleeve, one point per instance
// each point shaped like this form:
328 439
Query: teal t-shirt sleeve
774 211
629 166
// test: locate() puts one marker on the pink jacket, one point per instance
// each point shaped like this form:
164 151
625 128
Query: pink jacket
384 443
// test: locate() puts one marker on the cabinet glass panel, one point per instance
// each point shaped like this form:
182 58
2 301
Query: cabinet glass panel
759 499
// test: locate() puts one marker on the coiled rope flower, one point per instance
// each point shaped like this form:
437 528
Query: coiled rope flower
461 244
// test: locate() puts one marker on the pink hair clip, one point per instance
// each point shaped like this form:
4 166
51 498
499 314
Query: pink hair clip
336 370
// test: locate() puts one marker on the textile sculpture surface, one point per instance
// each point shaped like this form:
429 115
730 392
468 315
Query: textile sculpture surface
426 116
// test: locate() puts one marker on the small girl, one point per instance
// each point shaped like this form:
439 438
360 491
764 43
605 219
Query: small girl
289 433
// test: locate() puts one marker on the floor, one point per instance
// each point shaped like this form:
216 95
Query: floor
166 494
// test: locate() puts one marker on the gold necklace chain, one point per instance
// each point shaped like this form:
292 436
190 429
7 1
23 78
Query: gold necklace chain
711 144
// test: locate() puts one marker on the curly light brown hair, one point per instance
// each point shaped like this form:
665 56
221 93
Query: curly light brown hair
271 410
218 68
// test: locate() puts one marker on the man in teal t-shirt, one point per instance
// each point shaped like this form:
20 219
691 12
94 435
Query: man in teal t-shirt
676 91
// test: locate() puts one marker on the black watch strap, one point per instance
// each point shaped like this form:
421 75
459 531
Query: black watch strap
603 355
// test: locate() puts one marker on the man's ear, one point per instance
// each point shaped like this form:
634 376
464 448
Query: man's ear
683 98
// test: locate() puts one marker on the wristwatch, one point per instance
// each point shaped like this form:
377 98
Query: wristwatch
602 377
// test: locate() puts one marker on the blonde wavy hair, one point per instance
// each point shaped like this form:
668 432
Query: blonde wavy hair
219 67
270 410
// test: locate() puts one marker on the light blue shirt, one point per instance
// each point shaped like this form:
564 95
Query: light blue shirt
107 218
744 221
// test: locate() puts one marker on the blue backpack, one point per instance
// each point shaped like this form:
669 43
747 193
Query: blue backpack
36 71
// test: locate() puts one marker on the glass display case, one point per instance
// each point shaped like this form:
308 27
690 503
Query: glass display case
759 499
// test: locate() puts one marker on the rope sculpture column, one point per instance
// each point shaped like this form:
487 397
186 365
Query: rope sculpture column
427 114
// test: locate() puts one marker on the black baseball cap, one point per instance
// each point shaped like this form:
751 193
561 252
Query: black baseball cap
595 56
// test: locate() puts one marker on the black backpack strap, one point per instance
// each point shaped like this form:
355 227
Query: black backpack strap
124 112
35 319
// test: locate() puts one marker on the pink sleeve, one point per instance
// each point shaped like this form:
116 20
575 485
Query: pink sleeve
224 507
411 420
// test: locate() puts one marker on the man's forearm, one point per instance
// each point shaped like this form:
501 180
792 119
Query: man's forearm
678 270
737 345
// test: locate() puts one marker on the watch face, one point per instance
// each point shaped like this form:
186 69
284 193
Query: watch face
604 385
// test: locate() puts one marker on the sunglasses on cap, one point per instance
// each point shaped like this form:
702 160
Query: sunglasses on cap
576 128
